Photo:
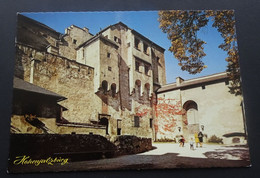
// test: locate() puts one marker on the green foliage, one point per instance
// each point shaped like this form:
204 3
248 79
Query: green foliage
182 27
215 139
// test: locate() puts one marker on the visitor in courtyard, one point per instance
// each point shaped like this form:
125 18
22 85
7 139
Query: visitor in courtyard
196 139
191 143
200 135
182 141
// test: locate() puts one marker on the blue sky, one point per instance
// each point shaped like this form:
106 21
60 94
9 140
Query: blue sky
146 23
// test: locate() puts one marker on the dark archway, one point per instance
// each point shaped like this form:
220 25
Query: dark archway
147 90
138 88
113 89
104 86
191 116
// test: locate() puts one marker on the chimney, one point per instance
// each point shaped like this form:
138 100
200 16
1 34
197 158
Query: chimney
86 29
179 80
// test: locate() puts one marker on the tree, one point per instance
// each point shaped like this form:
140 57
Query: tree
182 27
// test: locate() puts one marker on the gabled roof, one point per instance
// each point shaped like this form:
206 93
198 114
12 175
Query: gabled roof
194 82
94 38
19 84
124 25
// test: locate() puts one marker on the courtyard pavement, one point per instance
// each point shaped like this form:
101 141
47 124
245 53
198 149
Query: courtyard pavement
164 156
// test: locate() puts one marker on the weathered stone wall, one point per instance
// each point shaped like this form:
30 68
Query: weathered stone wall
128 144
218 111
82 85
159 66
73 37
131 103
23 126
56 145
63 76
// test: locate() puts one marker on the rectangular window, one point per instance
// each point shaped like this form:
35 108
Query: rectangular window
158 59
115 38
146 48
108 55
109 68
119 127
151 123
146 69
226 82
137 43
203 87
136 121
74 41
137 66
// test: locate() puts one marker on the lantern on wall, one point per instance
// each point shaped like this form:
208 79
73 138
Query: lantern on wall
202 127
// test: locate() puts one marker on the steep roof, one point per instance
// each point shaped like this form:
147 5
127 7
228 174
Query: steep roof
19 84
124 25
194 82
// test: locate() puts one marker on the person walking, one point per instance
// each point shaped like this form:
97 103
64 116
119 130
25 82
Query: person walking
191 143
182 141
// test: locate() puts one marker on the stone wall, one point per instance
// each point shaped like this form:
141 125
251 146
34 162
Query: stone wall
128 144
218 112
19 122
60 75
72 146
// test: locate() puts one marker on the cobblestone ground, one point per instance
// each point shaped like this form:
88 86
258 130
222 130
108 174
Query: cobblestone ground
164 156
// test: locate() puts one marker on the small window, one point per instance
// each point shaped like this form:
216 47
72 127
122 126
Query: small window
151 123
226 82
115 38
146 48
157 59
113 89
137 43
136 121
109 68
104 86
137 66
146 69
119 127
108 55
203 87
74 41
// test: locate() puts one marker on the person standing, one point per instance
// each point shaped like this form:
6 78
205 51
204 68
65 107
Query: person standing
200 135
196 139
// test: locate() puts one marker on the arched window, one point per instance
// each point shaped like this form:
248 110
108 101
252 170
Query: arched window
113 89
147 90
104 86
138 88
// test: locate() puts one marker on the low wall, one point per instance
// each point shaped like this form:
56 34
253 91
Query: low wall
128 144
72 146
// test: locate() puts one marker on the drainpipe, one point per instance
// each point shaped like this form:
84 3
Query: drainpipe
32 70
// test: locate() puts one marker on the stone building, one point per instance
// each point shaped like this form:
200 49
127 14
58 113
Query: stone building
109 79
115 84
200 104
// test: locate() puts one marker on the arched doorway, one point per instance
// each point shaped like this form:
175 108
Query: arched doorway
191 117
